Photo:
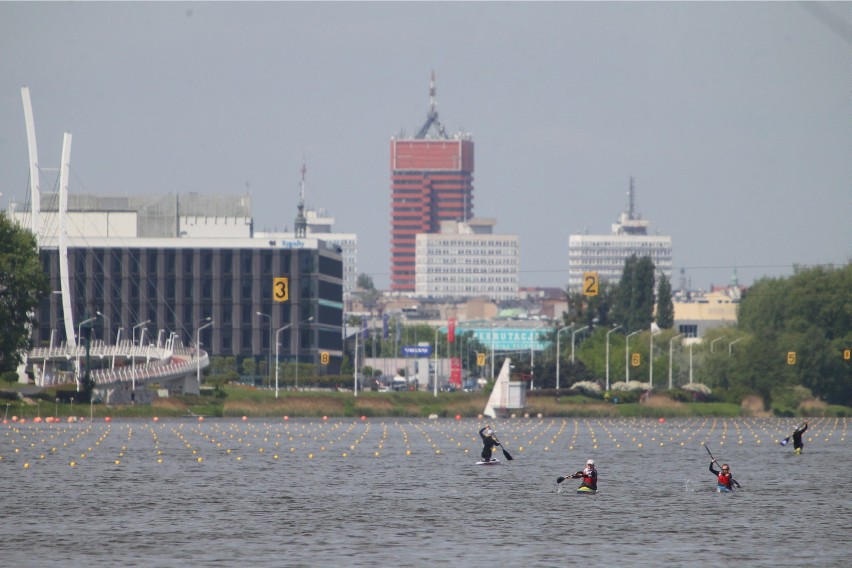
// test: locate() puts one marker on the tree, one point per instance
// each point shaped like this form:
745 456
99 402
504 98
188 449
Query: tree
23 286
665 306
366 291
633 304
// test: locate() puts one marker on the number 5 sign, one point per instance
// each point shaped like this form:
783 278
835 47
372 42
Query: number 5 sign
590 284
281 289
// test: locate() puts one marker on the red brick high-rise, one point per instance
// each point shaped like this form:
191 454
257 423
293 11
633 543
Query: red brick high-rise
431 181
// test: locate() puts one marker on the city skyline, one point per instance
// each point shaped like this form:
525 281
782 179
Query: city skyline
732 117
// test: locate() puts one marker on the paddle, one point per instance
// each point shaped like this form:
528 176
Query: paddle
733 481
786 440
506 454
561 479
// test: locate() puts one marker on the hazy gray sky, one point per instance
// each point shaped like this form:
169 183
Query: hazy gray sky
733 117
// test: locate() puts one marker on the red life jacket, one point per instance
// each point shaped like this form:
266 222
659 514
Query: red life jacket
725 479
588 479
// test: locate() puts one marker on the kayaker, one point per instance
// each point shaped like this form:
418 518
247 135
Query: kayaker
724 479
488 442
589 475
798 445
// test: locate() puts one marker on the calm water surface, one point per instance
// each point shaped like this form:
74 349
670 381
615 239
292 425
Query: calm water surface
406 492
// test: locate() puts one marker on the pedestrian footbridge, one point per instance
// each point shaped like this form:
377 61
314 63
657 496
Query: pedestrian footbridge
122 373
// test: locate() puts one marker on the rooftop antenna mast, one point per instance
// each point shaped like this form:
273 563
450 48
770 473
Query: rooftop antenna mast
432 116
631 205
301 224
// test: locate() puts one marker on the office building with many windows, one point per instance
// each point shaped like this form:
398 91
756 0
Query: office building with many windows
467 260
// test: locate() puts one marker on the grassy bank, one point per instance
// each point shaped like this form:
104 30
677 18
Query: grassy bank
241 401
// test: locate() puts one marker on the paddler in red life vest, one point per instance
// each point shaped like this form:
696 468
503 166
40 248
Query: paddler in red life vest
724 479
589 475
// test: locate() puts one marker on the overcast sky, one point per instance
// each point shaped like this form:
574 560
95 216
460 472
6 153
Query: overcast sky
734 118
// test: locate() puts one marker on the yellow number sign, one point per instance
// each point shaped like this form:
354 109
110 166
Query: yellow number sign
847 354
281 289
591 284
636 359
480 359
791 358
324 357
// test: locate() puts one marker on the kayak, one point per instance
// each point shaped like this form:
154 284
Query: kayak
723 489
493 461
586 491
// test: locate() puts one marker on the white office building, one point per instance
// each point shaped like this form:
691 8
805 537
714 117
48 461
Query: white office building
467 260
606 254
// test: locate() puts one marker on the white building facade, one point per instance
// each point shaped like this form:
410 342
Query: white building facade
606 254
467 260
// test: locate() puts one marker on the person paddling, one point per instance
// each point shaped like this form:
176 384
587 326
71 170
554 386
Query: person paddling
724 479
489 440
589 475
798 444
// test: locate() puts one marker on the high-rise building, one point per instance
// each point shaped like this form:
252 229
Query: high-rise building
467 260
606 254
431 181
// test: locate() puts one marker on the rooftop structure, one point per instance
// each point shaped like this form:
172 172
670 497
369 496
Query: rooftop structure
606 254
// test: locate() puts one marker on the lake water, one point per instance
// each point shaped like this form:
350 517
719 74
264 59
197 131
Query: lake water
406 492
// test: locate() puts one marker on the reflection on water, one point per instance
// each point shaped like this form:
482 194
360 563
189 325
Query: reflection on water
406 492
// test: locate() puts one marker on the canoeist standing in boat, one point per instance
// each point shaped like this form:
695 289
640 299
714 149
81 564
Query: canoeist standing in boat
589 475
724 479
488 442
798 445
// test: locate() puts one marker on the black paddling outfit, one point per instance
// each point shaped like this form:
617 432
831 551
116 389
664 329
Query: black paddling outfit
797 438
488 443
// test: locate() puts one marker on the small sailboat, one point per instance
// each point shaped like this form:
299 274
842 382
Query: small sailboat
499 399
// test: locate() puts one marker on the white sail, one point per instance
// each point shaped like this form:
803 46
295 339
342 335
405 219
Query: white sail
500 395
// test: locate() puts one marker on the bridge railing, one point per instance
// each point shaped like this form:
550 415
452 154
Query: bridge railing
167 363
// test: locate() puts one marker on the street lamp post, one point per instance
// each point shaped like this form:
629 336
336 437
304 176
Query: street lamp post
690 363
435 381
133 340
532 356
671 352
210 322
651 360
573 333
731 344
298 345
713 343
627 356
607 353
137 326
269 356
79 334
559 353
277 344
